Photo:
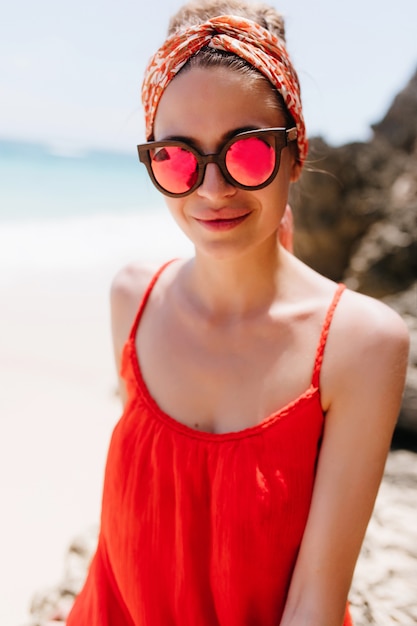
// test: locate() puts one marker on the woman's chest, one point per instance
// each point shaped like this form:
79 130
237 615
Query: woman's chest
226 379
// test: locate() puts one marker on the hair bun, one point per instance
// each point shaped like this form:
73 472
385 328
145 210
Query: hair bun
199 11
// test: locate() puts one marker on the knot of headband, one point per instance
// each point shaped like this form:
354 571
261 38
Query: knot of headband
241 36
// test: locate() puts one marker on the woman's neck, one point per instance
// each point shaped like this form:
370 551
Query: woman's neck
236 288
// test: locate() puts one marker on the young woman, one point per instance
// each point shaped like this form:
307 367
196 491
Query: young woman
260 397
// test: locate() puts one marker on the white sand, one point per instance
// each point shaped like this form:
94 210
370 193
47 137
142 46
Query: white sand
57 386
57 409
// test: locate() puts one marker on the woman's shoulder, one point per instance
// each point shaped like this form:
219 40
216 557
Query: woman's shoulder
370 319
127 291
366 354
367 346
358 318
130 283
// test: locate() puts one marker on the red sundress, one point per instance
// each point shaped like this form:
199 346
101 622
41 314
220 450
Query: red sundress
201 529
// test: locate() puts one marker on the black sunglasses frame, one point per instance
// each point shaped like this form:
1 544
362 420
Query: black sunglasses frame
281 138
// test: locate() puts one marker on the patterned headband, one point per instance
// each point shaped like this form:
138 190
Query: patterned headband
243 37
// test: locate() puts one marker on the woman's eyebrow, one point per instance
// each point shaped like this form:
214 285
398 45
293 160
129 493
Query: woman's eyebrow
191 141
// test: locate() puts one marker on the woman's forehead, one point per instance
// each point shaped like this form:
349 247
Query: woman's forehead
217 99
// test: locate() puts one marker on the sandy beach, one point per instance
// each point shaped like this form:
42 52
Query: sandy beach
57 407
58 401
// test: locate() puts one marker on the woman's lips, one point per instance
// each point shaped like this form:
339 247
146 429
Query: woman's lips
222 223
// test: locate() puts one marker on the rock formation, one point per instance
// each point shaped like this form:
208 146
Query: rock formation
355 210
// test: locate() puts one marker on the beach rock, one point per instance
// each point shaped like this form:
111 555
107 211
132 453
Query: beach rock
385 260
355 206
50 607
399 126
405 304
384 589
334 203
355 211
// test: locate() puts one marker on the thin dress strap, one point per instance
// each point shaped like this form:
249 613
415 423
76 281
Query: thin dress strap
324 334
145 297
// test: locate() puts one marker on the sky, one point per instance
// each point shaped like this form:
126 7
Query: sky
70 71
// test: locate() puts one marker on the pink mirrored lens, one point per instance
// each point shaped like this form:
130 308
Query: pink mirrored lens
250 161
174 168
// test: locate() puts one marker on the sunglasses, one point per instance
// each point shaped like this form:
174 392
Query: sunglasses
250 160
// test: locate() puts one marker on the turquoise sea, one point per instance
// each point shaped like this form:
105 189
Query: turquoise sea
93 208
38 183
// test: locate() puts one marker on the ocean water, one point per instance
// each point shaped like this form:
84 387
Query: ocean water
79 211
39 183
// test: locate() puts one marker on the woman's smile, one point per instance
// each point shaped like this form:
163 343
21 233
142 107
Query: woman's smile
222 219
222 223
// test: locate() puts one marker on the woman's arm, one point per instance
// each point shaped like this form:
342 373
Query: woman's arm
362 384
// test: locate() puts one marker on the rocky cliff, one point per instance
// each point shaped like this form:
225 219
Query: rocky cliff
355 210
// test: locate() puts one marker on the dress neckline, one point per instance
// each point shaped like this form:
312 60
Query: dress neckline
311 394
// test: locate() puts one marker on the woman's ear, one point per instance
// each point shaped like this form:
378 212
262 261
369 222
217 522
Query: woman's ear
286 230
296 168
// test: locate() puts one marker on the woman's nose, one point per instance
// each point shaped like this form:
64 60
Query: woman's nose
214 183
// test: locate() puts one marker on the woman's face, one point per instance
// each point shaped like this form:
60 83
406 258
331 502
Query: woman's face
205 107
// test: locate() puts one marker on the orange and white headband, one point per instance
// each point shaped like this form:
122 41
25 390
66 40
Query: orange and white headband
238 35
